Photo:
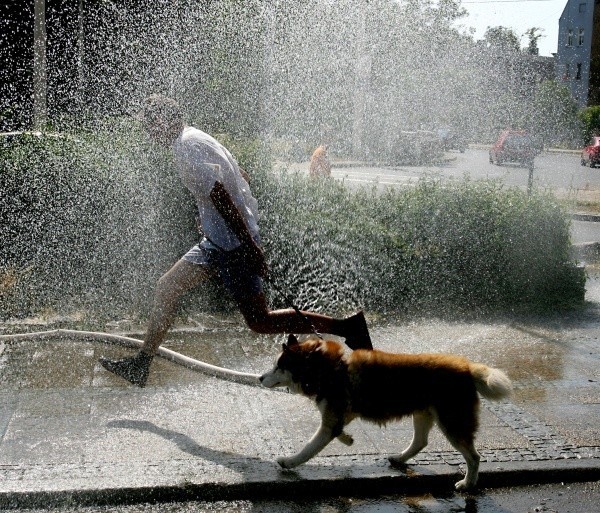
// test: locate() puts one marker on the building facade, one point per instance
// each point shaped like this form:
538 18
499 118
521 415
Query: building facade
594 86
577 49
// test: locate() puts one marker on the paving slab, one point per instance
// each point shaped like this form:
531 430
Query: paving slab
72 433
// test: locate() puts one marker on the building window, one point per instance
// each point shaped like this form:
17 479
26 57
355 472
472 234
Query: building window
580 37
567 74
570 37
582 7
578 74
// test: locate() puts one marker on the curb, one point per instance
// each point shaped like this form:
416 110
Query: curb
586 251
479 146
341 164
592 218
364 481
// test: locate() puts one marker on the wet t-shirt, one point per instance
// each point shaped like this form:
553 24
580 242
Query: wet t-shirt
201 161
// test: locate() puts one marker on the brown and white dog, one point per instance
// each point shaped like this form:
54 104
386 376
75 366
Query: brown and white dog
381 387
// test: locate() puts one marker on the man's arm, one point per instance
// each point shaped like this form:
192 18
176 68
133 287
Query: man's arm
226 207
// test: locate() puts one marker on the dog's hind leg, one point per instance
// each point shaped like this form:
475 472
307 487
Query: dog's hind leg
472 457
422 424
459 425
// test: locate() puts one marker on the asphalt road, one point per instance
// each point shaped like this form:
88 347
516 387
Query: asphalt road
582 232
552 498
558 171
554 170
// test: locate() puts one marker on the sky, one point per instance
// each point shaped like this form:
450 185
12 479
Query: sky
519 15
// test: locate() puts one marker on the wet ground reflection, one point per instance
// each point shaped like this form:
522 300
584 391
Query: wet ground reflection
576 498
552 359
527 352
537 352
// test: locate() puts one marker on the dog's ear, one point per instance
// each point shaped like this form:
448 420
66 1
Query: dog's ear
292 341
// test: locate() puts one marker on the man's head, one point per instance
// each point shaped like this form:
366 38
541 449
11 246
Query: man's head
162 118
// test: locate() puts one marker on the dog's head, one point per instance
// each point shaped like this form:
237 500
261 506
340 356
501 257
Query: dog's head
302 367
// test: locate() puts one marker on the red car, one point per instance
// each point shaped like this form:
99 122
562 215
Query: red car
514 146
591 154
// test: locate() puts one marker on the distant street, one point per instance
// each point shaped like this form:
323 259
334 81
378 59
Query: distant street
559 171
554 170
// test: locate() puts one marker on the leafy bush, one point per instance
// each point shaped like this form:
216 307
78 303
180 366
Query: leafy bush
555 115
88 222
94 223
590 118
458 246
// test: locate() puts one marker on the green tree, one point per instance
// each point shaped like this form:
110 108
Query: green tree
502 39
554 113
349 72
590 119
533 34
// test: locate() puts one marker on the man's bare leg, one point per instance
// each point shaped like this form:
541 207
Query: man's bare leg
262 320
182 277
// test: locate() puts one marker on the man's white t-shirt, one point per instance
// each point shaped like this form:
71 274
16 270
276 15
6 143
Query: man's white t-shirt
201 161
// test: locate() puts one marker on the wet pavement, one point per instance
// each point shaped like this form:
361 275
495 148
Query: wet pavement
541 498
71 433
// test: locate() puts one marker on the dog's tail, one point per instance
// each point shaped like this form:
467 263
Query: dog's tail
491 383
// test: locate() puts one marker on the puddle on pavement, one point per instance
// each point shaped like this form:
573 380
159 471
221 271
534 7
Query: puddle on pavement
546 358
71 363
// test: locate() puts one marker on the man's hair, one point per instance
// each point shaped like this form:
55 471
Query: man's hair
157 107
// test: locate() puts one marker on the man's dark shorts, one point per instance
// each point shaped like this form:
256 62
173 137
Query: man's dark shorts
240 284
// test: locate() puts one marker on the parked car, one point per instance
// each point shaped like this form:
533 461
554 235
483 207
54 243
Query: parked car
452 140
416 148
514 146
590 155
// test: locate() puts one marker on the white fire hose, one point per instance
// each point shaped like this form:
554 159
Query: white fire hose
195 365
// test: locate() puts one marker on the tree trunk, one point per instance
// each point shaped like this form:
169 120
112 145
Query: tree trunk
40 79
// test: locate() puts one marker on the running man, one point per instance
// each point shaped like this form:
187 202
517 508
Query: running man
230 249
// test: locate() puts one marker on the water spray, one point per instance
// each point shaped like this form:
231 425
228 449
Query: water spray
243 378
293 305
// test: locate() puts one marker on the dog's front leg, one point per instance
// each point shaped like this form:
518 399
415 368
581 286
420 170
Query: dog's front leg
317 443
332 425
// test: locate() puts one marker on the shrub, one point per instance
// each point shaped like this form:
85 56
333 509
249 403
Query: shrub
94 223
590 118
459 246
89 222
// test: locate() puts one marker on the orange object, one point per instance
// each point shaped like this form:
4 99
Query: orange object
319 162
